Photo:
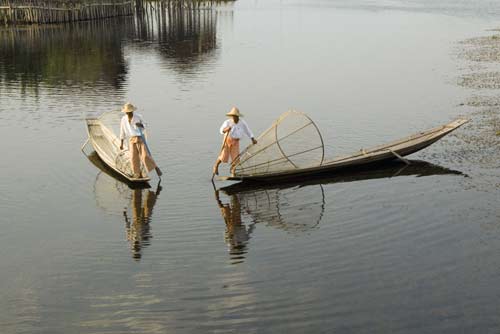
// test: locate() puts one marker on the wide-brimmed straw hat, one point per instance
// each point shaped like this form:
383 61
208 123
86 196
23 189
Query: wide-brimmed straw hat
234 112
128 107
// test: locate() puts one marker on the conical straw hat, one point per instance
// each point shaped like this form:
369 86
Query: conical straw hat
234 112
128 107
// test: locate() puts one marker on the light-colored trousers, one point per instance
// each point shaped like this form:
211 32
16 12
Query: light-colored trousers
139 153
231 149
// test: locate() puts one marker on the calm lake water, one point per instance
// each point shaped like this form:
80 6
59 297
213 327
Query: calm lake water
390 250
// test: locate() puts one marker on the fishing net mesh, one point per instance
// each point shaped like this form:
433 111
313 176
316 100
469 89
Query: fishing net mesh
111 120
292 142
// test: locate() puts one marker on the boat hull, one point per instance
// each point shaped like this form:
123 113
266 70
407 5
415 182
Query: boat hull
107 147
379 154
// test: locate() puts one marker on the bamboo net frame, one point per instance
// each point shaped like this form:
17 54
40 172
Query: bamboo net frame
292 142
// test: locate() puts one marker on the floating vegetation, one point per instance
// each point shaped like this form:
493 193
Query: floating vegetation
481 49
477 147
483 101
480 80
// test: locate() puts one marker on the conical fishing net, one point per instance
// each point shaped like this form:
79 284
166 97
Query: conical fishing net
292 142
111 120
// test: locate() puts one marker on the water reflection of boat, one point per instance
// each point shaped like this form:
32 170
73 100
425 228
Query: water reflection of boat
291 209
134 202
386 170
297 206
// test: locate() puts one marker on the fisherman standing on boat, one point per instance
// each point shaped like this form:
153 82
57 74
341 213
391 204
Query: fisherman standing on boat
131 127
233 130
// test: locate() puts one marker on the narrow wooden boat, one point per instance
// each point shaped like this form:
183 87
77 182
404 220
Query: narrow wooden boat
245 171
107 146
96 161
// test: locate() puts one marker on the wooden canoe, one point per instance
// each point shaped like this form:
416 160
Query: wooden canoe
96 161
394 150
107 146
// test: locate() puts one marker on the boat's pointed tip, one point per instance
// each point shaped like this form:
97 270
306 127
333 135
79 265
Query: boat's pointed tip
458 122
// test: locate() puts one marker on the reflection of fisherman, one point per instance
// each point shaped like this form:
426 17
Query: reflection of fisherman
131 126
234 129
237 234
138 230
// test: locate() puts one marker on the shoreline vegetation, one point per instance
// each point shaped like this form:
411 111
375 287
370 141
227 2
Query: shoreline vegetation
25 12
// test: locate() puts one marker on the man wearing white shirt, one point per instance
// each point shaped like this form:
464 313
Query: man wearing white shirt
131 126
234 129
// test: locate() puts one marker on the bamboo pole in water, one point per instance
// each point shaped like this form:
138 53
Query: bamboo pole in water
51 11
42 11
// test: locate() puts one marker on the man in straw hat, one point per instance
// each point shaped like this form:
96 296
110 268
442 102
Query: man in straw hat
131 127
234 128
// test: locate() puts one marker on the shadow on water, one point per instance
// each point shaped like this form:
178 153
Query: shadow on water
84 54
296 207
134 201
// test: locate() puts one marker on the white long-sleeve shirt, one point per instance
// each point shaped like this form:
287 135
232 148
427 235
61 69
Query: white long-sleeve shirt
237 129
128 130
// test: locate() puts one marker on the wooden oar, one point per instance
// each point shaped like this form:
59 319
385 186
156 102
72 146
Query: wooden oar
220 151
